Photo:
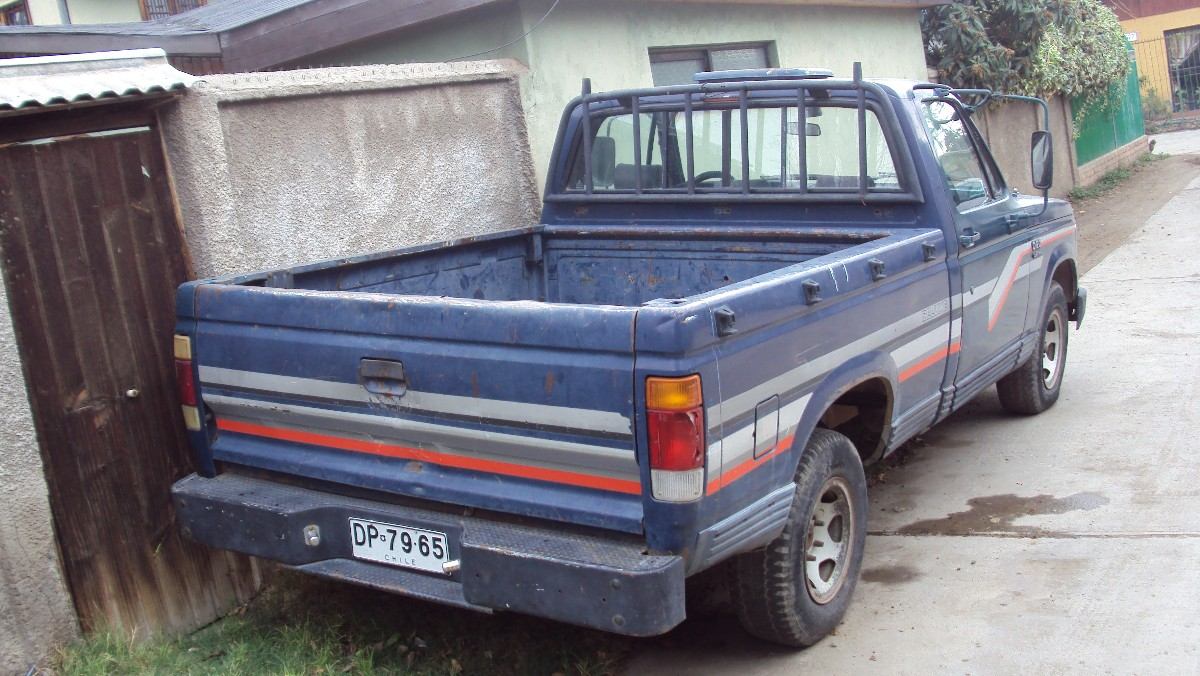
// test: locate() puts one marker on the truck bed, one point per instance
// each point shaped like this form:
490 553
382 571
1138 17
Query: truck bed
610 266
495 372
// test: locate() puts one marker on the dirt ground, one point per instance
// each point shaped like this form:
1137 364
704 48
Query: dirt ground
1105 222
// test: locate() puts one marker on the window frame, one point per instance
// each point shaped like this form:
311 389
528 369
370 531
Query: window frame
996 189
172 8
705 52
600 116
19 6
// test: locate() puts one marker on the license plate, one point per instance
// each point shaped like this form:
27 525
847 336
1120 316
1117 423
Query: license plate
399 545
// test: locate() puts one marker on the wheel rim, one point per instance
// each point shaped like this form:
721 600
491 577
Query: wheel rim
1053 340
830 541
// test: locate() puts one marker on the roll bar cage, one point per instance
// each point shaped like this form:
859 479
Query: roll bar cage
910 187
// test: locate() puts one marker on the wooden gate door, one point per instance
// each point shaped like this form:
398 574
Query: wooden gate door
92 255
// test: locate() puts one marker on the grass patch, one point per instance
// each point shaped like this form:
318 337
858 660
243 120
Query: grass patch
304 625
1114 178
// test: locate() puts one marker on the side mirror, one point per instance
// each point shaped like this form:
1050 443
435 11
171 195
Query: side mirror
1042 160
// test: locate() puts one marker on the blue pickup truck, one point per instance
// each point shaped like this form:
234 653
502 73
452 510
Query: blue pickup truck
742 290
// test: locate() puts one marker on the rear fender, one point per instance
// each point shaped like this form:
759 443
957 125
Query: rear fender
871 365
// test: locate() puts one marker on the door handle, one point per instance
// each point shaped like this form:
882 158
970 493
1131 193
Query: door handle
381 376
968 238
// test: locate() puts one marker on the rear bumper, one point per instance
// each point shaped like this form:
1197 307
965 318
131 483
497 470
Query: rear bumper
593 581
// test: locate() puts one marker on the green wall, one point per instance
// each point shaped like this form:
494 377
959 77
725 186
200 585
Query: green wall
1105 128
607 40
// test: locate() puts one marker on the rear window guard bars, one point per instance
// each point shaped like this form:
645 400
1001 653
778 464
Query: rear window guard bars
630 99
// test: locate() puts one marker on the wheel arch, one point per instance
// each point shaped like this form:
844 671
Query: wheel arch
857 400
1065 273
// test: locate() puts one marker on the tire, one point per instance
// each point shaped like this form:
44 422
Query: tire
1034 386
770 588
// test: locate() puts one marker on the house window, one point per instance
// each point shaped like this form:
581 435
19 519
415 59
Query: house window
677 65
16 14
157 9
1183 63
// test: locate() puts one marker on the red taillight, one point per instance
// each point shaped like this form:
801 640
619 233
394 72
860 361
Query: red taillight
186 383
183 378
676 439
675 430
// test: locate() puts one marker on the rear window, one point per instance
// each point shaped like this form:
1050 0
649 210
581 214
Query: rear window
771 161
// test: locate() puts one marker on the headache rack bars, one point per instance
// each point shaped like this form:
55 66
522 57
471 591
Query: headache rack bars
910 188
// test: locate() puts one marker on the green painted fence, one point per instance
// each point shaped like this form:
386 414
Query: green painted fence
1105 128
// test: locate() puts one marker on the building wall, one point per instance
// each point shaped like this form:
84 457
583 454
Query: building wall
279 168
1151 49
44 12
608 41
104 11
448 39
47 12
36 615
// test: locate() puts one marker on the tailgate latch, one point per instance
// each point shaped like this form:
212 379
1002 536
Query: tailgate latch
382 376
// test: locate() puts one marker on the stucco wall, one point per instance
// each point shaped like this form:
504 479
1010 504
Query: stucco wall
1007 129
36 615
274 169
608 41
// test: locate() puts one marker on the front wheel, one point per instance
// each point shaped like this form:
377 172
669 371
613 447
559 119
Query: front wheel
1035 385
795 590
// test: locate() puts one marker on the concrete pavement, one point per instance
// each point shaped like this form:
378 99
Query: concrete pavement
1178 142
1063 543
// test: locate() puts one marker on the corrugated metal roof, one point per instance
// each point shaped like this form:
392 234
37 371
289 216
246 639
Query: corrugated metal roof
74 78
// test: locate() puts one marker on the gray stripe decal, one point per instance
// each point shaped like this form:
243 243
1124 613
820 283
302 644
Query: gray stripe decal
515 411
550 454
739 445
745 402
922 345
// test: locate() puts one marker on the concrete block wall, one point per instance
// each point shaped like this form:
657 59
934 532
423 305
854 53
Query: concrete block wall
278 168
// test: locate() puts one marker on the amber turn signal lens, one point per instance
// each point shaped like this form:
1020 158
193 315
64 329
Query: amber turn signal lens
673 394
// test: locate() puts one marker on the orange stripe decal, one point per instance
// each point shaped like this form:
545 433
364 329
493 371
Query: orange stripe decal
1012 279
932 359
744 468
422 455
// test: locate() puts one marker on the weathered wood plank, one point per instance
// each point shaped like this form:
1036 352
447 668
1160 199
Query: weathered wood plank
92 254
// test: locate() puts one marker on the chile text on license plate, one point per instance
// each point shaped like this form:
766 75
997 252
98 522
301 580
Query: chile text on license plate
399 545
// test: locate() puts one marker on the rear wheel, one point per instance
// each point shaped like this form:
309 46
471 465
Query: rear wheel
1035 385
795 590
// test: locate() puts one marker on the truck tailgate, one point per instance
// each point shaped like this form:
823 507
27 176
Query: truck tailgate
517 407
